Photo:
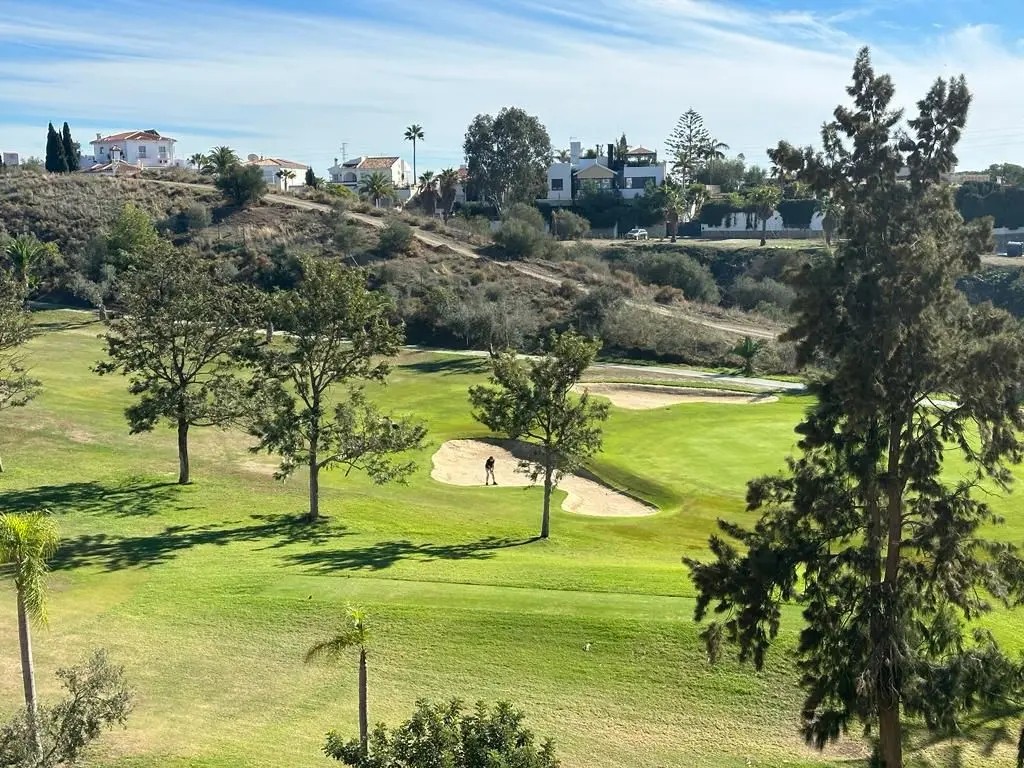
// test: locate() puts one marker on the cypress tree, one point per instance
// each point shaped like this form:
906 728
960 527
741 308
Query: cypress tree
55 160
72 155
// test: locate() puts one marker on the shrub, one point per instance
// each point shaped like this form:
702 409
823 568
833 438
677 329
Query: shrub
566 225
667 295
196 217
520 240
395 238
528 214
678 271
748 293
242 184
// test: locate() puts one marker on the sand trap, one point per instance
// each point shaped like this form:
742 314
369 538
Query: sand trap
642 397
461 462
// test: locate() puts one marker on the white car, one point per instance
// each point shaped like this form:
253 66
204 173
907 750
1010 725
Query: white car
637 234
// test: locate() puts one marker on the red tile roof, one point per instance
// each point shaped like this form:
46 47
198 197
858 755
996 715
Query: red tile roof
377 163
148 135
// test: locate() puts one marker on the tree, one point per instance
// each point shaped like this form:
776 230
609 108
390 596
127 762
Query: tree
242 184
72 153
376 187
175 341
286 175
622 149
198 161
764 200
56 161
747 351
16 387
98 697
414 133
219 161
28 259
311 179
881 544
447 735
507 156
336 332
352 636
563 155
692 147
428 185
27 541
533 401
448 188
566 225
673 202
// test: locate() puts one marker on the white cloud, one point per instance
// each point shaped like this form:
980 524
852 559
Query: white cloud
297 85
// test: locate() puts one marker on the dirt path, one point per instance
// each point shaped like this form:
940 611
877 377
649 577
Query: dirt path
461 462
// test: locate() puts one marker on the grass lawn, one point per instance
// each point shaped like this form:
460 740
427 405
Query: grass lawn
210 594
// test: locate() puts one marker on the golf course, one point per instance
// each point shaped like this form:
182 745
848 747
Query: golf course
210 594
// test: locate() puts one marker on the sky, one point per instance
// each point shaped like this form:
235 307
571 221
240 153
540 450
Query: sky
302 80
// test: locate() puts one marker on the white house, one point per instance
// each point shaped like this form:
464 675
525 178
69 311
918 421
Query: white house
11 159
351 172
147 149
628 175
272 172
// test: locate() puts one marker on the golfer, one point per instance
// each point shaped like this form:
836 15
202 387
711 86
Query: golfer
489 471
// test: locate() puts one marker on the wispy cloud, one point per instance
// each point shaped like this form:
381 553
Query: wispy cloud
297 83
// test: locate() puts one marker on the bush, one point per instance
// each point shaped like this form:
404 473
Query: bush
196 217
566 225
678 271
667 295
395 238
242 184
520 240
748 293
528 214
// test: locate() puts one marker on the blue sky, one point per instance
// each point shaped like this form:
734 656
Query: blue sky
299 79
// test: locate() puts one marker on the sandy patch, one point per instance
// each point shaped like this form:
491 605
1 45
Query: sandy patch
260 467
641 397
461 462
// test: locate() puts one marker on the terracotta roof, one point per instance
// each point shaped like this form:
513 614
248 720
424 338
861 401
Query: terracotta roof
641 151
463 173
148 135
277 162
377 163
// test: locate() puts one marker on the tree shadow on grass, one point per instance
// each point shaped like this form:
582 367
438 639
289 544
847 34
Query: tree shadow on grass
382 555
451 366
129 498
115 552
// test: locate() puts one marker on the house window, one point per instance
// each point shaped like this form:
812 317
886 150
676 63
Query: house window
640 182
162 151
142 151
556 185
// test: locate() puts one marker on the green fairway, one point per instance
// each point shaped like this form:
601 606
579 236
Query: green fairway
210 594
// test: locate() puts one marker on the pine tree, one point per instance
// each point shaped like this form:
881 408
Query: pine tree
876 531
56 161
71 151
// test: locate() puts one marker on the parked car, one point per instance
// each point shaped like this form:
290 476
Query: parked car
636 233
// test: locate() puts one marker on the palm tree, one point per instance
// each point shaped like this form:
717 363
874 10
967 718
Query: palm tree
219 160
563 156
376 187
448 186
352 636
715 150
26 254
672 204
197 161
26 543
747 350
286 175
428 191
414 133
764 200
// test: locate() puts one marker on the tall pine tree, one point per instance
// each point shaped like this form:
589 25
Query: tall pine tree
72 155
875 531
56 161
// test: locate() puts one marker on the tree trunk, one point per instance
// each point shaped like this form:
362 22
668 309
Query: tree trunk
1 465
314 487
889 737
764 229
28 675
270 331
545 525
104 317
364 726
183 468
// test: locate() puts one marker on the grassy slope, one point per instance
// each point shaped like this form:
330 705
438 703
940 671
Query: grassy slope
209 594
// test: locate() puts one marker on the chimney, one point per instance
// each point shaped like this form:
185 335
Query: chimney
574 152
611 155
98 135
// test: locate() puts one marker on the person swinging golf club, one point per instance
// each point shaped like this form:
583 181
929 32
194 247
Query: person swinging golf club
489 471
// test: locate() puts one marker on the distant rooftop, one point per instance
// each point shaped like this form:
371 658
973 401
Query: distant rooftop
148 135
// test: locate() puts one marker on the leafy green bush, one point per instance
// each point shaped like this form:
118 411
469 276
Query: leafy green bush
242 184
519 240
196 217
678 271
566 225
748 293
395 238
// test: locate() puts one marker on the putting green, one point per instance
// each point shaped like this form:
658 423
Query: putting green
210 594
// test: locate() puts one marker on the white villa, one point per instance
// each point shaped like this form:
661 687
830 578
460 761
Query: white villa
628 175
145 149
272 168
351 173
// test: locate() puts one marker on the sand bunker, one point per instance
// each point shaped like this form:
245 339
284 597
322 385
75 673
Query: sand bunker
642 397
461 462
